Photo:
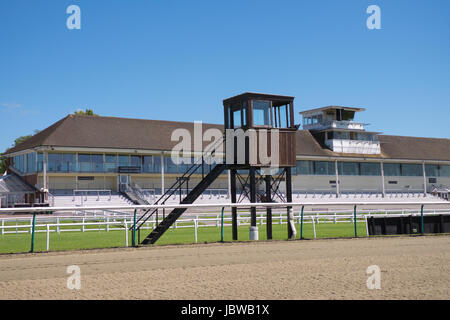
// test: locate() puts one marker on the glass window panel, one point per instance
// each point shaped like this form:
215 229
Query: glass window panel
148 164
84 162
40 164
68 162
431 170
348 168
303 167
171 167
444 171
391 169
261 113
136 161
157 164
322 168
54 162
110 158
244 112
370 169
31 162
97 162
124 160
412 170
110 163
237 118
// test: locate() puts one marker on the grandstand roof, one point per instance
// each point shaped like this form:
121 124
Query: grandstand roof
125 133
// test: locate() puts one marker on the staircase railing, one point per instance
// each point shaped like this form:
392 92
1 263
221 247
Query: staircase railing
175 187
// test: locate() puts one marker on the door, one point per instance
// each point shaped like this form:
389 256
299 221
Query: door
124 181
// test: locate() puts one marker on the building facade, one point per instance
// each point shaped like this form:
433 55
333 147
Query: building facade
334 155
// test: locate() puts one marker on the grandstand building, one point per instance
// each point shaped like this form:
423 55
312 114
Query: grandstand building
335 155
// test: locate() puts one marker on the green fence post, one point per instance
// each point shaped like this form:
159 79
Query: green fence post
221 226
134 229
421 219
354 220
301 224
32 232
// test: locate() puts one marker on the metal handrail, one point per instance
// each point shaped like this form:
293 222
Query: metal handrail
177 184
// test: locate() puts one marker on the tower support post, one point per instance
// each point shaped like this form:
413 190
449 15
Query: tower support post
290 219
268 180
234 222
253 224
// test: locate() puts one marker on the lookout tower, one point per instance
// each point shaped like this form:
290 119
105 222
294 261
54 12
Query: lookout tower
260 137
260 150
334 127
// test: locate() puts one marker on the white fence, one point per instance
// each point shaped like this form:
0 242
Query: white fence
116 221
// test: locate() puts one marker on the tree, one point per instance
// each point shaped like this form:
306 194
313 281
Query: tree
21 139
2 164
87 112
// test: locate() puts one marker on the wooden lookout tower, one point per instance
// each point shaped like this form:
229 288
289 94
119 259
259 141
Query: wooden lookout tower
259 150
265 125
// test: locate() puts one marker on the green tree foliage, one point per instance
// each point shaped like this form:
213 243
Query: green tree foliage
2 164
87 112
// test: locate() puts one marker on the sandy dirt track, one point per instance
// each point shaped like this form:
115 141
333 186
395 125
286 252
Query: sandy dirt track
411 268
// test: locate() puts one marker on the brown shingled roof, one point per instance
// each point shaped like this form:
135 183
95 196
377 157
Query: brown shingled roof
125 133
109 132
399 147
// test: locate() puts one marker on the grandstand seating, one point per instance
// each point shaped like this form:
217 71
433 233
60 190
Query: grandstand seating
66 198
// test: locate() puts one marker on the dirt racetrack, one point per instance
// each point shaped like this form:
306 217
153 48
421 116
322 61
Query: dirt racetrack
411 268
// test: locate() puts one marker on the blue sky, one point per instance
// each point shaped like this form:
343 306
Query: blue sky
177 60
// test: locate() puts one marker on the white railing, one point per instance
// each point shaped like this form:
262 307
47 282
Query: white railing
51 199
224 205
96 193
122 223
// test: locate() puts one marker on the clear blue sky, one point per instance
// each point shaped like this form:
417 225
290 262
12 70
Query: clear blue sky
177 60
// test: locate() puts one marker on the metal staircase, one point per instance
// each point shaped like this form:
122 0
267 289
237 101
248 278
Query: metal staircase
197 167
135 194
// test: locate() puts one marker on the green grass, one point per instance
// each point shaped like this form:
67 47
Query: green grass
74 240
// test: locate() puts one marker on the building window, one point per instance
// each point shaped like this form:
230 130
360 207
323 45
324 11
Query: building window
31 162
324 168
444 171
19 163
348 168
84 162
136 161
157 164
237 118
61 162
40 162
392 169
303 167
110 163
370 169
261 113
148 164
431 170
412 170
124 160
97 162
